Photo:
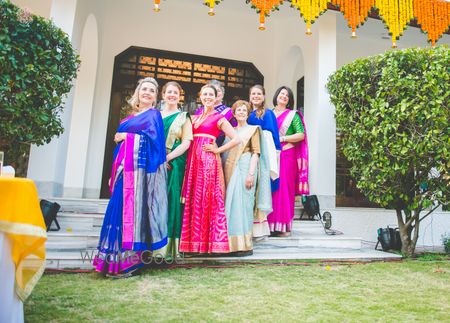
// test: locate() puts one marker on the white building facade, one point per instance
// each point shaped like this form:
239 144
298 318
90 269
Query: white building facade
72 165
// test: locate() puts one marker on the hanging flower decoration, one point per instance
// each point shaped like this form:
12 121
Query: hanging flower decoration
211 4
355 12
156 5
433 16
264 7
310 10
396 15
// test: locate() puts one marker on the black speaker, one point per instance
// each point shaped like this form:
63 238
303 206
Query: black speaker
389 238
49 211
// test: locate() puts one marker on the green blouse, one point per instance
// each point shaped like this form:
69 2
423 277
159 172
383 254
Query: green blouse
296 126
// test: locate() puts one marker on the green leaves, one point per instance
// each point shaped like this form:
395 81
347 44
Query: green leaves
38 65
393 113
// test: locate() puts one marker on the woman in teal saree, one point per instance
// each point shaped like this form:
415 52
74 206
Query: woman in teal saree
178 134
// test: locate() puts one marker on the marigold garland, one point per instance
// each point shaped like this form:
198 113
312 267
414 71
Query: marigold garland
156 5
396 15
264 7
310 10
355 11
433 16
211 4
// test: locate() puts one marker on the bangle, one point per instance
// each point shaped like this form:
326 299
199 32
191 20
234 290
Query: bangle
251 174
283 138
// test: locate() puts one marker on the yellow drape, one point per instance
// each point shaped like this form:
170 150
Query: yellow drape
22 222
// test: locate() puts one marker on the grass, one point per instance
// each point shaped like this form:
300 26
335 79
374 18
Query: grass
375 292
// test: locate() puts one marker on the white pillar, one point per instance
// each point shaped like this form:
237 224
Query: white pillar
319 112
74 176
47 163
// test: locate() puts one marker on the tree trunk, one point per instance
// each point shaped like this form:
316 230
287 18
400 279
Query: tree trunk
406 227
17 155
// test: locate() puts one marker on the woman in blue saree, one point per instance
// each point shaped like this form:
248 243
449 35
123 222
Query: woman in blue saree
136 217
265 118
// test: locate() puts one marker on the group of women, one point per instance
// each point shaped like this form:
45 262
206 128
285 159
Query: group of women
206 184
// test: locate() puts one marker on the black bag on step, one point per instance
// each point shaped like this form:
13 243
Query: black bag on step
311 206
49 211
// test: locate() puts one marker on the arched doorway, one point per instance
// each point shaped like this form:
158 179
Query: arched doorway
191 71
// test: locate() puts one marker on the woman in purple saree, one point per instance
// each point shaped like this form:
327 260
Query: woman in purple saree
136 217
293 163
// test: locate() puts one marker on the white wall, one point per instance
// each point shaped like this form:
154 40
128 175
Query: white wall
37 7
364 222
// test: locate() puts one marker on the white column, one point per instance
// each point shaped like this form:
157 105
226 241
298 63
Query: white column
74 176
47 163
319 112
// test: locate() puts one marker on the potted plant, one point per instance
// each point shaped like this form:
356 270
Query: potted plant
446 242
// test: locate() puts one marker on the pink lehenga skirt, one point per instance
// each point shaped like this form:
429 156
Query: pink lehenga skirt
204 228
283 200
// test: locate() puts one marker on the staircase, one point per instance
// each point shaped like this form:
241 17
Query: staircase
81 220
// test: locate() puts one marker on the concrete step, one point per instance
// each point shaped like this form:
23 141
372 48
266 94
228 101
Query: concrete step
80 222
311 240
76 260
73 241
80 205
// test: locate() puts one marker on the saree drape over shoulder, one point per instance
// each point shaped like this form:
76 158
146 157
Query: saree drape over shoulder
269 126
204 228
227 113
136 217
240 201
293 173
177 127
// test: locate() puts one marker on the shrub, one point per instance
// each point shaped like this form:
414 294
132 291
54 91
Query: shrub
38 65
393 113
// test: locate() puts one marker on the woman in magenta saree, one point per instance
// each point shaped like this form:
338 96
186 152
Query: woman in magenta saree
204 228
136 217
293 163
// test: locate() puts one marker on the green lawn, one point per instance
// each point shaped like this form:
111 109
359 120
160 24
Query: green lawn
395 291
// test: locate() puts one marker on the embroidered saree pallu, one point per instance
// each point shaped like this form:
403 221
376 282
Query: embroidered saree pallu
271 148
177 127
293 173
135 221
240 202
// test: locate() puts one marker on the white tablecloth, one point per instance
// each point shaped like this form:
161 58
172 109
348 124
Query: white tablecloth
11 307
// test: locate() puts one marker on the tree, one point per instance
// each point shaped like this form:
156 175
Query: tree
38 65
393 113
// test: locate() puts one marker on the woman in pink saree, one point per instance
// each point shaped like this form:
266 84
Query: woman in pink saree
293 163
204 228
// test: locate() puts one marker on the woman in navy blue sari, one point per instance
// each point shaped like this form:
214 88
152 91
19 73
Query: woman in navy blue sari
265 118
136 217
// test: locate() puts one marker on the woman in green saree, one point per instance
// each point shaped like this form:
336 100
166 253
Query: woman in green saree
178 134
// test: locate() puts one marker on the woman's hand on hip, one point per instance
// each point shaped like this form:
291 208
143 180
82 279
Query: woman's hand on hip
211 148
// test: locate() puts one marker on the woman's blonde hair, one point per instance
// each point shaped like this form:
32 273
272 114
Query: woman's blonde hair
133 102
262 108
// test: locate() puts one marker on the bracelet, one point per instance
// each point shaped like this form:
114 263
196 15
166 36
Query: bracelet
283 138
251 174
